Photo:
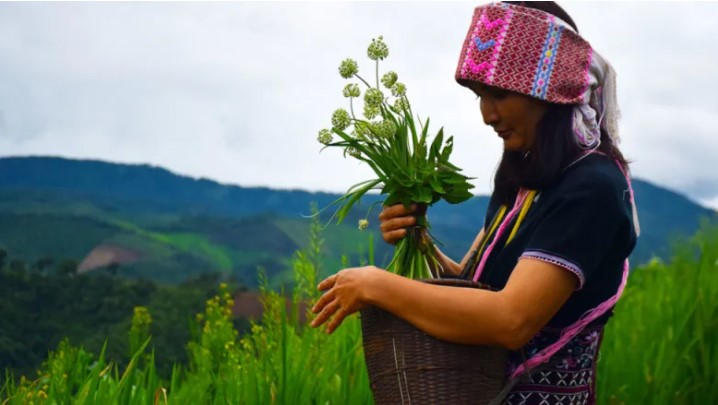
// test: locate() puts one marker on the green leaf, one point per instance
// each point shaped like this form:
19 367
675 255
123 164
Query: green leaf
436 146
458 197
421 148
446 152
436 184
423 195
355 196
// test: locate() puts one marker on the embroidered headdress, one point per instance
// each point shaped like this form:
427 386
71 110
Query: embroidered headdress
534 53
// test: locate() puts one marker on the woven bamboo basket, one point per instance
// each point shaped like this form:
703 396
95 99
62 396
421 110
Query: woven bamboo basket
407 366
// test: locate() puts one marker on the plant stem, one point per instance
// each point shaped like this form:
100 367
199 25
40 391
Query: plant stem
377 73
360 78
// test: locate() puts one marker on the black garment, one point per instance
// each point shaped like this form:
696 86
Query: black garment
584 223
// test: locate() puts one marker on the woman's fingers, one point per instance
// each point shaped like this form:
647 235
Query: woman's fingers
344 297
396 218
327 312
397 223
396 210
323 301
337 320
327 283
393 236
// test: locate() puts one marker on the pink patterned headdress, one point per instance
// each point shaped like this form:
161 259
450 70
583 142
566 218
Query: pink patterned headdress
534 53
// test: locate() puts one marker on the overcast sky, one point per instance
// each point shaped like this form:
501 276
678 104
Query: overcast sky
236 92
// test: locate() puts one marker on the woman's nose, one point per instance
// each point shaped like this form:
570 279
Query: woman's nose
488 112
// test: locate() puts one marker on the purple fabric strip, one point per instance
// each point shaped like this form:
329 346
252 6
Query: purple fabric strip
559 261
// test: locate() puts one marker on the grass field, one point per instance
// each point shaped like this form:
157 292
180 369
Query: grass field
661 347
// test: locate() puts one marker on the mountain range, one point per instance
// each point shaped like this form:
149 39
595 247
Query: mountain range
146 221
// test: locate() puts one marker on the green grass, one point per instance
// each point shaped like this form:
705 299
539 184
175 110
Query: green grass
339 240
188 242
294 228
199 245
661 347
58 236
281 361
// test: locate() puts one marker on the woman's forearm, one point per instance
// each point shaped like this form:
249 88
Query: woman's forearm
459 315
449 266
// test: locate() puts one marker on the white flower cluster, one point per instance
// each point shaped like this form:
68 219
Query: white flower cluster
378 49
375 123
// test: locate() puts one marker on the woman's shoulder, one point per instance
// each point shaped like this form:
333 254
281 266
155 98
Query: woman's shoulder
596 174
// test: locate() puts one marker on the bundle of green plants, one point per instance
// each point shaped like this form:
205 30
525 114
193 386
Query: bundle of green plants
410 165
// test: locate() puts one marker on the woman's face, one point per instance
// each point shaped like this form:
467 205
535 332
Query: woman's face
513 116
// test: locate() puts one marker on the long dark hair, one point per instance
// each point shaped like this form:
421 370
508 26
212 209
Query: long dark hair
555 146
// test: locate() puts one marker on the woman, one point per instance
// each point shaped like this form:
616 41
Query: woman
560 224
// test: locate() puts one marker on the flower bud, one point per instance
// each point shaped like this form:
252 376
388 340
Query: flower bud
352 90
348 68
352 151
378 49
363 224
370 111
363 130
373 97
385 129
399 89
340 119
325 137
400 104
389 79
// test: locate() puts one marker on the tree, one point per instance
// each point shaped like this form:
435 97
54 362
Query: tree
113 268
67 268
44 263
3 256
17 265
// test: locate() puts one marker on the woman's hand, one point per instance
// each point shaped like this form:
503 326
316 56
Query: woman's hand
396 218
344 294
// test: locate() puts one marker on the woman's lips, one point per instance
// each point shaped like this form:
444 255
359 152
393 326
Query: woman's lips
504 134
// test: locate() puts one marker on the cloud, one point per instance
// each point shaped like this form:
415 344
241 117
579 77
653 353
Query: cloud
237 91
